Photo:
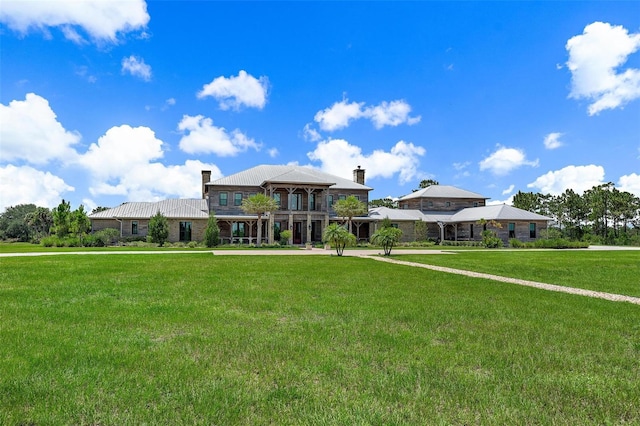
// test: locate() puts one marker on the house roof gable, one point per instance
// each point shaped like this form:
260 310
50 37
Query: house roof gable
442 191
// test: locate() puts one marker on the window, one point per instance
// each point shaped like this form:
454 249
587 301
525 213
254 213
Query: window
330 200
185 231
342 197
448 204
134 227
512 230
312 201
357 197
237 199
471 230
222 200
394 225
429 203
276 198
237 229
475 204
276 230
295 202
532 230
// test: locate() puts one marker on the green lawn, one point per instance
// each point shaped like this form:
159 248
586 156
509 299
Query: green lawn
200 339
609 271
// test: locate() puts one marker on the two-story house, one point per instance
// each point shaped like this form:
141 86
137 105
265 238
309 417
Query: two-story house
305 197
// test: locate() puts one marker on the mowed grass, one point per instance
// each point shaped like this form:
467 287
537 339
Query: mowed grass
608 271
200 339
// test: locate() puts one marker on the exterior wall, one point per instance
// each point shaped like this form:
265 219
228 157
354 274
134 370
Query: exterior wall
198 227
440 204
100 224
521 231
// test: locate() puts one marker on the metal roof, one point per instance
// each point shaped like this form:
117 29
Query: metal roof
395 214
496 212
259 175
173 208
442 191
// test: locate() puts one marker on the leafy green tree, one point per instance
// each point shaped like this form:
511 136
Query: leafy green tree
13 222
99 209
62 219
40 222
425 183
159 228
285 236
338 236
387 238
259 204
350 207
212 233
80 224
383 202
490 237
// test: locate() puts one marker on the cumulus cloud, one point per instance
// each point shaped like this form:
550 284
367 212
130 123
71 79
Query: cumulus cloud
273 152
341 114
235 92
595 58
504 160
102 20
338 157
509 190
24 185
552 140
200 136
577 178
310 134
630 183
123 162
31 132
136 67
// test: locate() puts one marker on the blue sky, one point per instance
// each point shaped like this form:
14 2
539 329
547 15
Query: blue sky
107 102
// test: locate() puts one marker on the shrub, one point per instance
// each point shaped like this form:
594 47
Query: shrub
515 243
285 236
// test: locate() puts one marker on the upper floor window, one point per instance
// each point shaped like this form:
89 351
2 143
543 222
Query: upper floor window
222 198
330 199
357 197
237 199
295 202
312 201
475 204
276 198
342 197
429 203
447 204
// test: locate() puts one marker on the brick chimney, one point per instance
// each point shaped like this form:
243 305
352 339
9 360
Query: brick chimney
206 178
358 175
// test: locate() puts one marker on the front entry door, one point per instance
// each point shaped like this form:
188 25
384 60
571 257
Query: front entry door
297 232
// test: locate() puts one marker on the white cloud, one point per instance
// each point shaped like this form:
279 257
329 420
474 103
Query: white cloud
552 140
508 201
509 190
234 92
391 113
24 185
338 115
273 152
341 114
504 160
122 163
202 137
310 134
120 150
136 67
30 131
630 183
577 178
102 20
339 157
595 58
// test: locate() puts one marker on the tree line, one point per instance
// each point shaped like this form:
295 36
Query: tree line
601 215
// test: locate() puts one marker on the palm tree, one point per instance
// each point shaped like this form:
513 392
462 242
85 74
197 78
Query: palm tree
386 237
259 204
350 207
339 237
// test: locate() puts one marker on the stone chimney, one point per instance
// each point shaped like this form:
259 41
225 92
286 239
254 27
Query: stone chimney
206 178
358 175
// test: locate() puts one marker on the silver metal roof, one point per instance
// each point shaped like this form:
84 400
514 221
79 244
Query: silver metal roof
394 214
257 176
442 191
496 212
173 208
